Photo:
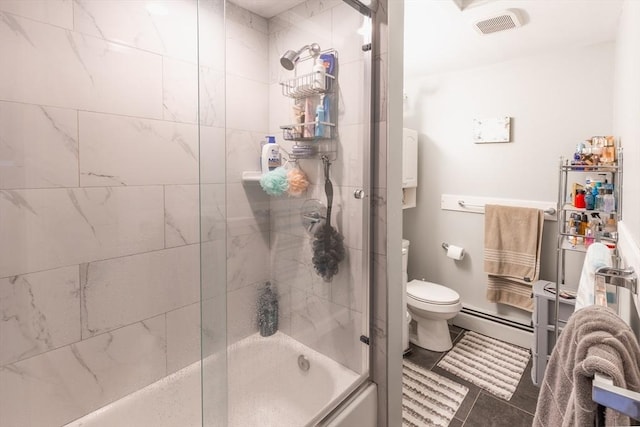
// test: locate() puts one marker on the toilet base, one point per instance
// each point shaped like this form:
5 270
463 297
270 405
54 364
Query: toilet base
432 335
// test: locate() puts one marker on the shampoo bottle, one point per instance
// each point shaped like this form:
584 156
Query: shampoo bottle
271 157
319 74
320 118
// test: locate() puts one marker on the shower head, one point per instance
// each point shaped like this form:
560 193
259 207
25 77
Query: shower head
289 59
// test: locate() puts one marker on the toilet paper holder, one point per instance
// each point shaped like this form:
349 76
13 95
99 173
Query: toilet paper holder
454 252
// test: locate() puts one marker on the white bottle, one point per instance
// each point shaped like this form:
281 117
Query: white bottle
271 157
319 75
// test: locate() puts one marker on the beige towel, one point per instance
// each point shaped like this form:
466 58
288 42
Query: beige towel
595 340
512 241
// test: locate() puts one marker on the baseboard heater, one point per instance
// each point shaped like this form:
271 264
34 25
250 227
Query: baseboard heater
497 319
513 332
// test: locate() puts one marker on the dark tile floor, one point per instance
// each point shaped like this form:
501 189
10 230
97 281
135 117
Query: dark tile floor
481 408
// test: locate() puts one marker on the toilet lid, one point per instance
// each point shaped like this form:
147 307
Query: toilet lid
431 292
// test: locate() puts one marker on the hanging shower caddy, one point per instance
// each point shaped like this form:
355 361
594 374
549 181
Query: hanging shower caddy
313 137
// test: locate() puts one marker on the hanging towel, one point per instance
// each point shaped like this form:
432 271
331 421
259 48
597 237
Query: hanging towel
595 340
598 255
512 241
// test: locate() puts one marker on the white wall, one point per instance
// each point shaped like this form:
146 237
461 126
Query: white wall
555 101
626 110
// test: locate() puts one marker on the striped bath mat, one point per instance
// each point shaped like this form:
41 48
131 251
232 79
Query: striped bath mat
428 399
491 364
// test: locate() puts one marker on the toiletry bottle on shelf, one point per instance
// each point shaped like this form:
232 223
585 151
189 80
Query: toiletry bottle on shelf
268 311
589 200
579 201
320 118
319 74
271 157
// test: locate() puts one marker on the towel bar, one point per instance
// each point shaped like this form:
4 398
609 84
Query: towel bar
462 204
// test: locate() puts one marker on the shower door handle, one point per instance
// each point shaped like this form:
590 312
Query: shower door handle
359 194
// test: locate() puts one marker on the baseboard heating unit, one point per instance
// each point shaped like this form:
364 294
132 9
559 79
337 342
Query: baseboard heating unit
508 330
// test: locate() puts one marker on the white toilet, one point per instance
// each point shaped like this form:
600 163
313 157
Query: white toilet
431 305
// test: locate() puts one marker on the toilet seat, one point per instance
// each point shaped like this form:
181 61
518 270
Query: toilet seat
431 293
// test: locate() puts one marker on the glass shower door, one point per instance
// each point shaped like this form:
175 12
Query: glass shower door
319 353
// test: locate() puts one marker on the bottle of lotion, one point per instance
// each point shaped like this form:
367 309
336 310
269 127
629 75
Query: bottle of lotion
271 157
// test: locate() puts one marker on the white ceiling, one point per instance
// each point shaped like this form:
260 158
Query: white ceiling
267 8
439 36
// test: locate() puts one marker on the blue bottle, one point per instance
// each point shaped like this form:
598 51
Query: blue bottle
589 200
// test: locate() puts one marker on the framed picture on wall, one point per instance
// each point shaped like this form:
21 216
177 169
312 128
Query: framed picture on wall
492 129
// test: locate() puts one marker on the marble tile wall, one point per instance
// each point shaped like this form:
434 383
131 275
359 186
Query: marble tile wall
100 165
248 206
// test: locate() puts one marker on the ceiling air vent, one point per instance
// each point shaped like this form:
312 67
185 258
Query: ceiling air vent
503 21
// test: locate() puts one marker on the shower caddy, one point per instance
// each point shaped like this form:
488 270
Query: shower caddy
302 89
551 312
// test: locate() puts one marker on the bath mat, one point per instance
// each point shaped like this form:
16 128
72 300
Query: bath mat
491 364
428 399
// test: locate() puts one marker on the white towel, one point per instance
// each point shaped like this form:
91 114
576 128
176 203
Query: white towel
598 255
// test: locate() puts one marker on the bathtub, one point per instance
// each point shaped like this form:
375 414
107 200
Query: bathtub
267 386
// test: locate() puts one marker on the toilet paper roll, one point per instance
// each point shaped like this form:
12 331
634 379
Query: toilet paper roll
455 252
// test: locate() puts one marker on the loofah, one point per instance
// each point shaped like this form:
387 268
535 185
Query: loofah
298 182
275 182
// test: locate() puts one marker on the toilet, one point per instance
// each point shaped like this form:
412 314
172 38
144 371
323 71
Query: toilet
431 305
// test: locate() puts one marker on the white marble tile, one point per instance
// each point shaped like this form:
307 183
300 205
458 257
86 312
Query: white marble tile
38 146
211 26
331 329
213 208
244 17
214 331
54 227
348 287
348 168
140 286
345 24
38 312
54 12
242 312
379 218
247 104
212 97
293 266
247 209
183 337
214 269
247 260
47 65
164 27
243 153
180 91
379 287
351 94
64 384
380 157
305 24
118 150
212 155
181 214
248 50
